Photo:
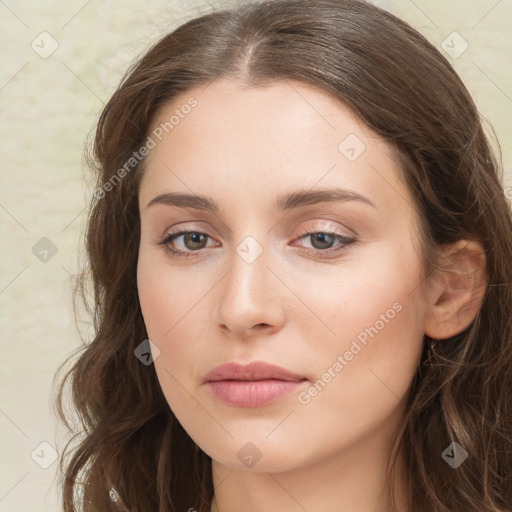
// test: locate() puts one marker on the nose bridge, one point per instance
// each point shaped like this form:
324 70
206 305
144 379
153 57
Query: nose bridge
249 261
250 251
248 298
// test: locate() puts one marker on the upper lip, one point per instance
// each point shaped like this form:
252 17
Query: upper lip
253 371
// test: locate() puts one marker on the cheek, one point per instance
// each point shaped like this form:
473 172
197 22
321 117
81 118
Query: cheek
363 379
173 305
374 295
366 368
155 298
166 296
167 306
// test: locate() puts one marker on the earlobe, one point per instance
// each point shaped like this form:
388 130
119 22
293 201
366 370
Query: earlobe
459 289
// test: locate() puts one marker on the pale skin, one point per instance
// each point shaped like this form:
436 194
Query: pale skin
244 147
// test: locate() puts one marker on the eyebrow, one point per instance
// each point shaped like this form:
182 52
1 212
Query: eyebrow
283 203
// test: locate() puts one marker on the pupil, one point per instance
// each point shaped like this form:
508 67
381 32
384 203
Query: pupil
324 238
195 238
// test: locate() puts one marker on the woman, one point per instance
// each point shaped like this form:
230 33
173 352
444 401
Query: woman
300 252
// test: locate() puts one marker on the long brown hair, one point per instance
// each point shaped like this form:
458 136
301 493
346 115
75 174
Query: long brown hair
409 94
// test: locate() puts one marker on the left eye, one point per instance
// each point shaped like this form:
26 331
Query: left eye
323 240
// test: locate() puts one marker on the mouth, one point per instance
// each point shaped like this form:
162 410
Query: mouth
254 371
253 385
252 393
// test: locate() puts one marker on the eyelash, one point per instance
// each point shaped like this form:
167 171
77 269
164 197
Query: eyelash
344 243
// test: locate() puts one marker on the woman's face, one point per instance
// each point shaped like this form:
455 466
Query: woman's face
341 307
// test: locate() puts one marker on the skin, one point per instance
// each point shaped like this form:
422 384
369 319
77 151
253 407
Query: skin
243 147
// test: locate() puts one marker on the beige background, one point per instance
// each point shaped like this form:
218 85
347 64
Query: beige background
48 107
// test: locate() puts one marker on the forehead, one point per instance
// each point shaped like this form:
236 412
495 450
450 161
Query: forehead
286 108
274 138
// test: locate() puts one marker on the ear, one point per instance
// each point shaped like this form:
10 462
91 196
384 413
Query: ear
458 289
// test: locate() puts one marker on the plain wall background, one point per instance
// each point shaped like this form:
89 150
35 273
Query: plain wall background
48 107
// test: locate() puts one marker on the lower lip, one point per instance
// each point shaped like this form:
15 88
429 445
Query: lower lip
252 393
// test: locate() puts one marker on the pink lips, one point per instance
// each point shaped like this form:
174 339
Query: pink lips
253 385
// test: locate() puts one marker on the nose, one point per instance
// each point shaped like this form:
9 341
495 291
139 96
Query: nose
251 300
